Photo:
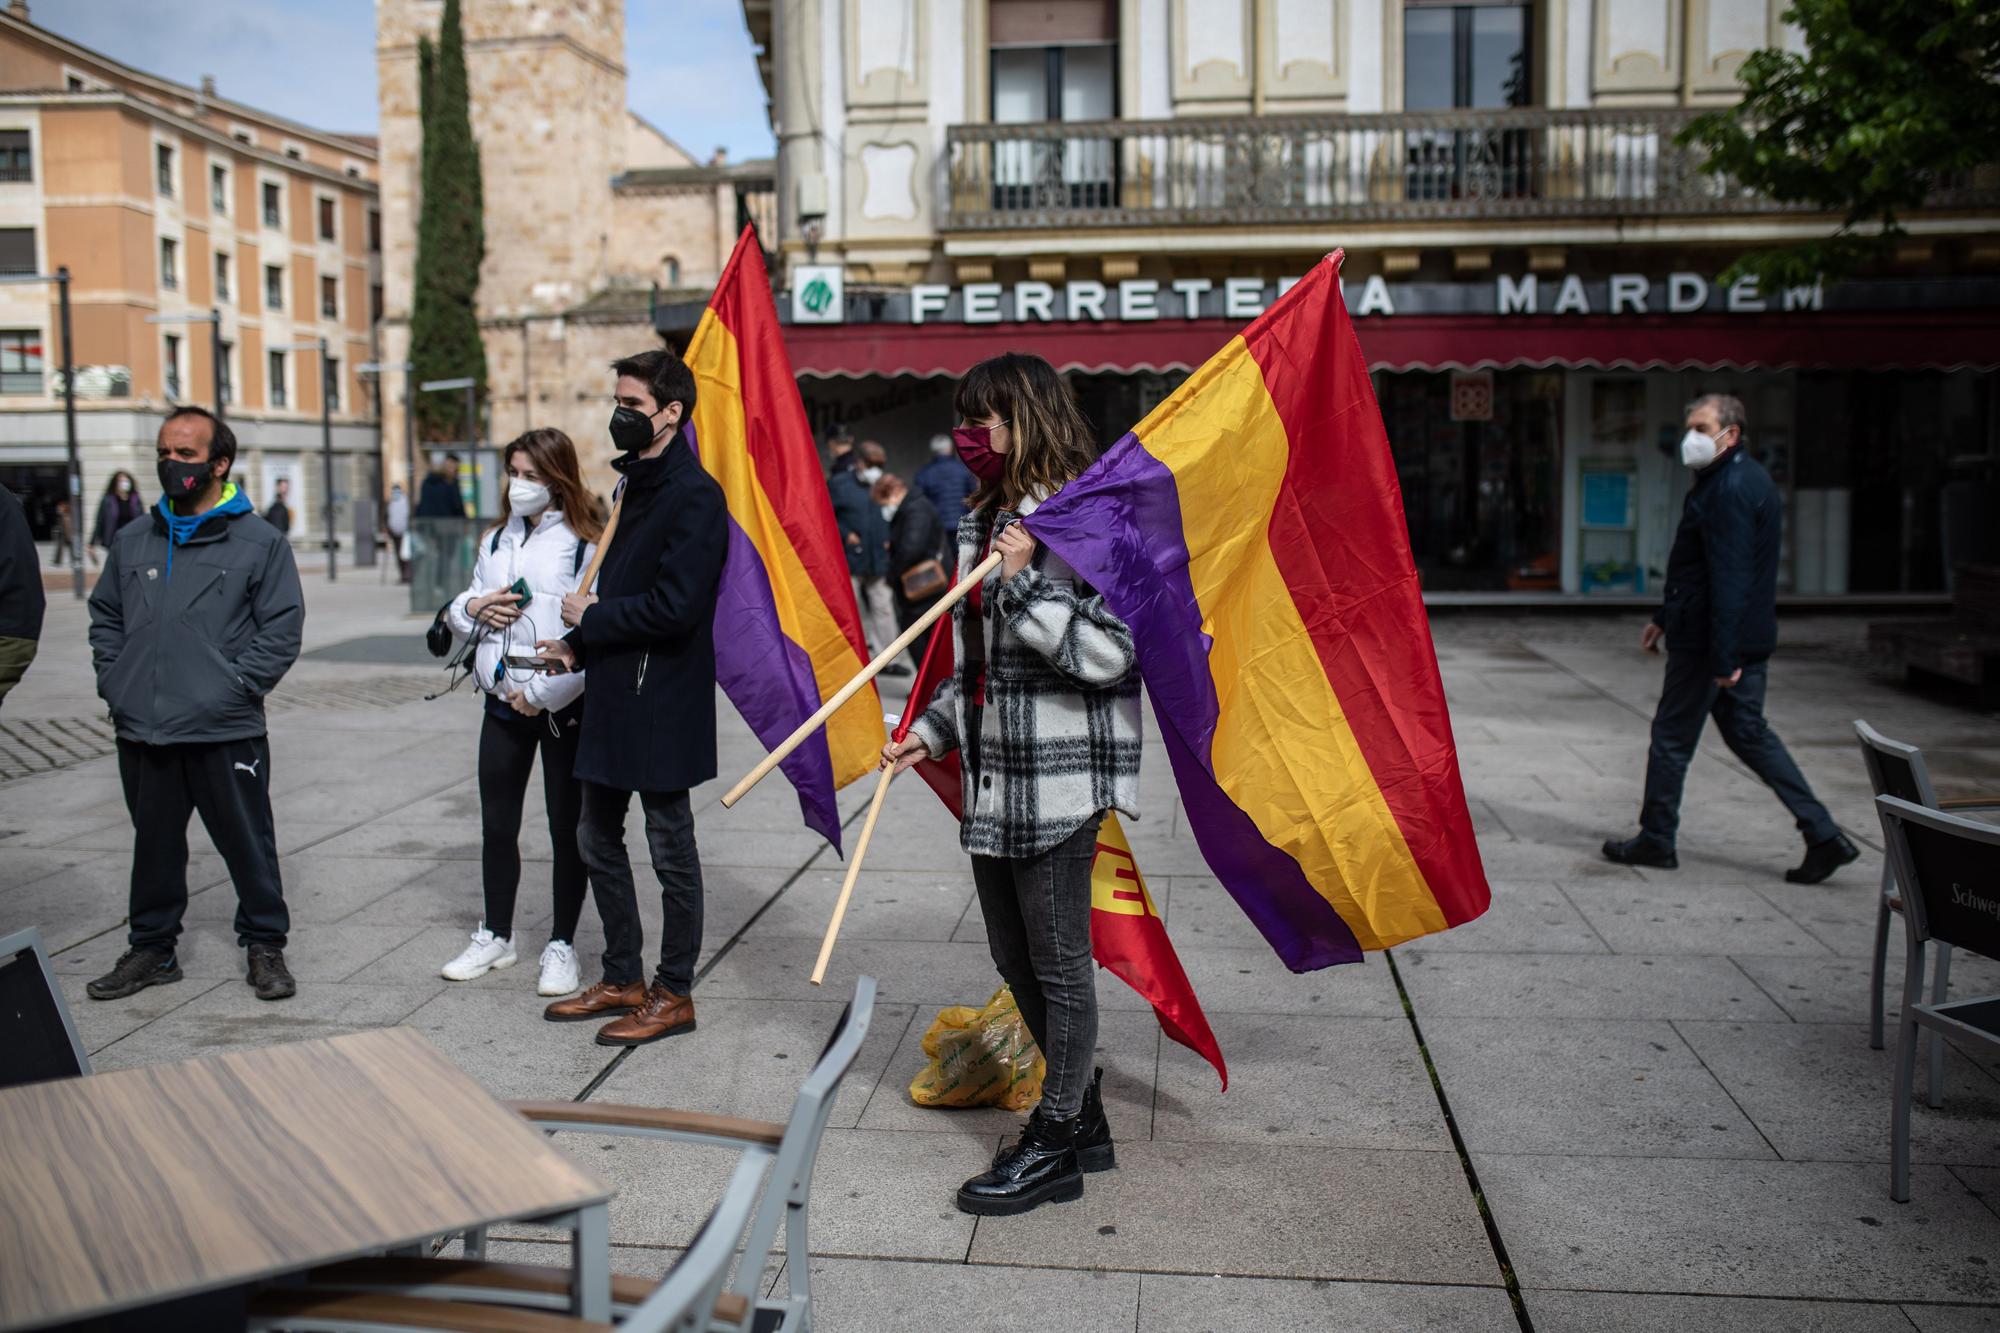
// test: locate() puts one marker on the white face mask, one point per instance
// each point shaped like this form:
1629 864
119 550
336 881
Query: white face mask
889 511
527 498
124 487
1698 450
870 474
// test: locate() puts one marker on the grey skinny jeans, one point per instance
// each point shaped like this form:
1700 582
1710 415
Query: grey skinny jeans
1037 911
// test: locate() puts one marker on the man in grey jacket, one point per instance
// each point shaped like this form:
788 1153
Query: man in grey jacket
195 619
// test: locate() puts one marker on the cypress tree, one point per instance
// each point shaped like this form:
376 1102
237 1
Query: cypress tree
451 236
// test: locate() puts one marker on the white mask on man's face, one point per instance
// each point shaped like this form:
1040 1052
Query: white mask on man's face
1699 450
870 474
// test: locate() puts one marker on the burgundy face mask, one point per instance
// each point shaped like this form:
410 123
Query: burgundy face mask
975 450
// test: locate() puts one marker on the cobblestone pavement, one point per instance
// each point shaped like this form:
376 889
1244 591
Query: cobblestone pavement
1623 1099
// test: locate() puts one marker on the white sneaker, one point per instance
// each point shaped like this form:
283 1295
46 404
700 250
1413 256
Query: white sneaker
559 971
483 955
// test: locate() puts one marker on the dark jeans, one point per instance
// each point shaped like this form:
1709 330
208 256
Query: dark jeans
229 782
507 748
1688 698
677 865
1037 911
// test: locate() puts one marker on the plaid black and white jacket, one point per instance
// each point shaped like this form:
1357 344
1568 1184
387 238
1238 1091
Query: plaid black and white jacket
1058 735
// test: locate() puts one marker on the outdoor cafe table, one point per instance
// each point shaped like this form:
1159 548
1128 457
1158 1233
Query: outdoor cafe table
129 1188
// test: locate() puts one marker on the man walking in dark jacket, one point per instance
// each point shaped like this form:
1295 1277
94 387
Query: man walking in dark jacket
947 484
646 635
21 601
195 619
1720 623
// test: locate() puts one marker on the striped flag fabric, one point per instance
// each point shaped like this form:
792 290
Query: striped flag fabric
1250 531
788 634
1127 936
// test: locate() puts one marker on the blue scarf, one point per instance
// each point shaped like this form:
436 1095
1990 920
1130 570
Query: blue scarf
182 527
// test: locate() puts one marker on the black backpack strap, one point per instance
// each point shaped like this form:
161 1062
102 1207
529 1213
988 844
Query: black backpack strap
493 547
576 561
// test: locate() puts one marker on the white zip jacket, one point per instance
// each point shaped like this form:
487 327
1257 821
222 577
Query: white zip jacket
547 558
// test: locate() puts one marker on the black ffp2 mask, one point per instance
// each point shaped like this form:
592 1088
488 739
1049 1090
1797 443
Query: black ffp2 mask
631 430
183 481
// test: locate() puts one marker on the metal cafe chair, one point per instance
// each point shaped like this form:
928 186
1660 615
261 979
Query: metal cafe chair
36 1033
741 1307
1949 867
1897 769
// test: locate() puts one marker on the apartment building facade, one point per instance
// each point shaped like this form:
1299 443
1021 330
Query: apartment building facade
1531 258
191 225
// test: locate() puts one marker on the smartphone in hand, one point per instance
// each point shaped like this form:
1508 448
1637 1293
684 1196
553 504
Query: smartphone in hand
521 662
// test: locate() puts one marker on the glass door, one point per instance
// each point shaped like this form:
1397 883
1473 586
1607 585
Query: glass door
1461 56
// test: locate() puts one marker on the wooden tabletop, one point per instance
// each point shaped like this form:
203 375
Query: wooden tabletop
126 1188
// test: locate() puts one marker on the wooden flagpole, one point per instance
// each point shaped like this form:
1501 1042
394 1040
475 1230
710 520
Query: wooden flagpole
853 872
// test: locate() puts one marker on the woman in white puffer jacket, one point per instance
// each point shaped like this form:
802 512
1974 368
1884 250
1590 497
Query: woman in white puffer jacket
545 539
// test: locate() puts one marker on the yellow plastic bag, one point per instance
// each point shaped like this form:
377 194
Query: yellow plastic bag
980 1057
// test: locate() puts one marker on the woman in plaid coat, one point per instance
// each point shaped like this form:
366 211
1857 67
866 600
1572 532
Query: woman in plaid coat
1043 710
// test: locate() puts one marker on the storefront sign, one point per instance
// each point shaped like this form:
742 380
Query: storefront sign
1472 395
819 294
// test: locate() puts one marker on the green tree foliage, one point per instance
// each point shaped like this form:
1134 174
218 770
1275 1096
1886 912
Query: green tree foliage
451 236
1889 96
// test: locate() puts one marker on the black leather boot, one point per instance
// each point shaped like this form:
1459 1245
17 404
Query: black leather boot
1040 1168
1641 851
1822 859
1093 1132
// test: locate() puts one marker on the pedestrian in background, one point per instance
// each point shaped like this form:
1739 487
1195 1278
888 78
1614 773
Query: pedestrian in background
916 575
120 504
865 534
22 602
439 497
196 618
547 532
279 515
64 532
647 635
1720 624
947 484
1043 711
396 522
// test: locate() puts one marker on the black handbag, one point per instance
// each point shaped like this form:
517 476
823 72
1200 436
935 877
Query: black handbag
439 636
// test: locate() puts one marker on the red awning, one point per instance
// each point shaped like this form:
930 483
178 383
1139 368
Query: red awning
1826 340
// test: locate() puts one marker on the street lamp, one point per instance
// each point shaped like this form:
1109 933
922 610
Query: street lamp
471 387
325 441
61 279
214 321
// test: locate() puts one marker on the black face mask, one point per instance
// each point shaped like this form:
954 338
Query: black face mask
631 430
183 481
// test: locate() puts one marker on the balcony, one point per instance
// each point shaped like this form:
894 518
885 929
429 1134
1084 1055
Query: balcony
1415 166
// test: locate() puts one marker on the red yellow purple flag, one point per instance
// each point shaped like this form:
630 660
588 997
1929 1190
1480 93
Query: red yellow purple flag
788 634
1250 531
1127 936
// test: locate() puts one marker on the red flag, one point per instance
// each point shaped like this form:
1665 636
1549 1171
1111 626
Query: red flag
1126 933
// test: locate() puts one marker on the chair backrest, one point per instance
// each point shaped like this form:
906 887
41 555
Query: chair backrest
686 1296
1895 768
791 1178
36 1034
1950 871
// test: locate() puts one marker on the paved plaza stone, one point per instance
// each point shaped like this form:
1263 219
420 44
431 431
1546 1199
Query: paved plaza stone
1660 1081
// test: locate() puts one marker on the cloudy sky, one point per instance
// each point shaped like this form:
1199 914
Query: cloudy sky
691 67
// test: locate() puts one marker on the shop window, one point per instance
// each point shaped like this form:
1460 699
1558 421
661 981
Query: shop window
1466 56
170 262
274 287
274 379
274 204
21 366
163 168
16 156
329 298
170 367
17 250
1054 61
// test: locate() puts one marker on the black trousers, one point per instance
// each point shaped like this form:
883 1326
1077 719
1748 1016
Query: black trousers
676 864
507 749
1037 911
1688 699
229 782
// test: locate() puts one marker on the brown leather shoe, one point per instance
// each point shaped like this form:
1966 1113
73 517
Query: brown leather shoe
663 1015
601 999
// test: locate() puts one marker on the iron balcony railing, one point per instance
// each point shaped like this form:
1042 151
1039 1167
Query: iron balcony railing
1399 166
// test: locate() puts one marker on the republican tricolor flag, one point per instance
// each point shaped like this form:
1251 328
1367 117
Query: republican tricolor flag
1250 532
1127 936
789 632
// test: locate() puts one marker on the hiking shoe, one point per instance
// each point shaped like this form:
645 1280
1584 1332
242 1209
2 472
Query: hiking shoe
269 976
487 953
136 970
560 975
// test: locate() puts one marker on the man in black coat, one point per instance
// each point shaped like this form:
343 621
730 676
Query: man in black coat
915 531
1720 623
647 638
22 604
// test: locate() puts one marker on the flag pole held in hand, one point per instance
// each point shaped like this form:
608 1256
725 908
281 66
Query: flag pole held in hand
853 872
965 585
603 544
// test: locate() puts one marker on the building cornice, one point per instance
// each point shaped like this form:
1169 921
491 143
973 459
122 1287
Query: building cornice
562 40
